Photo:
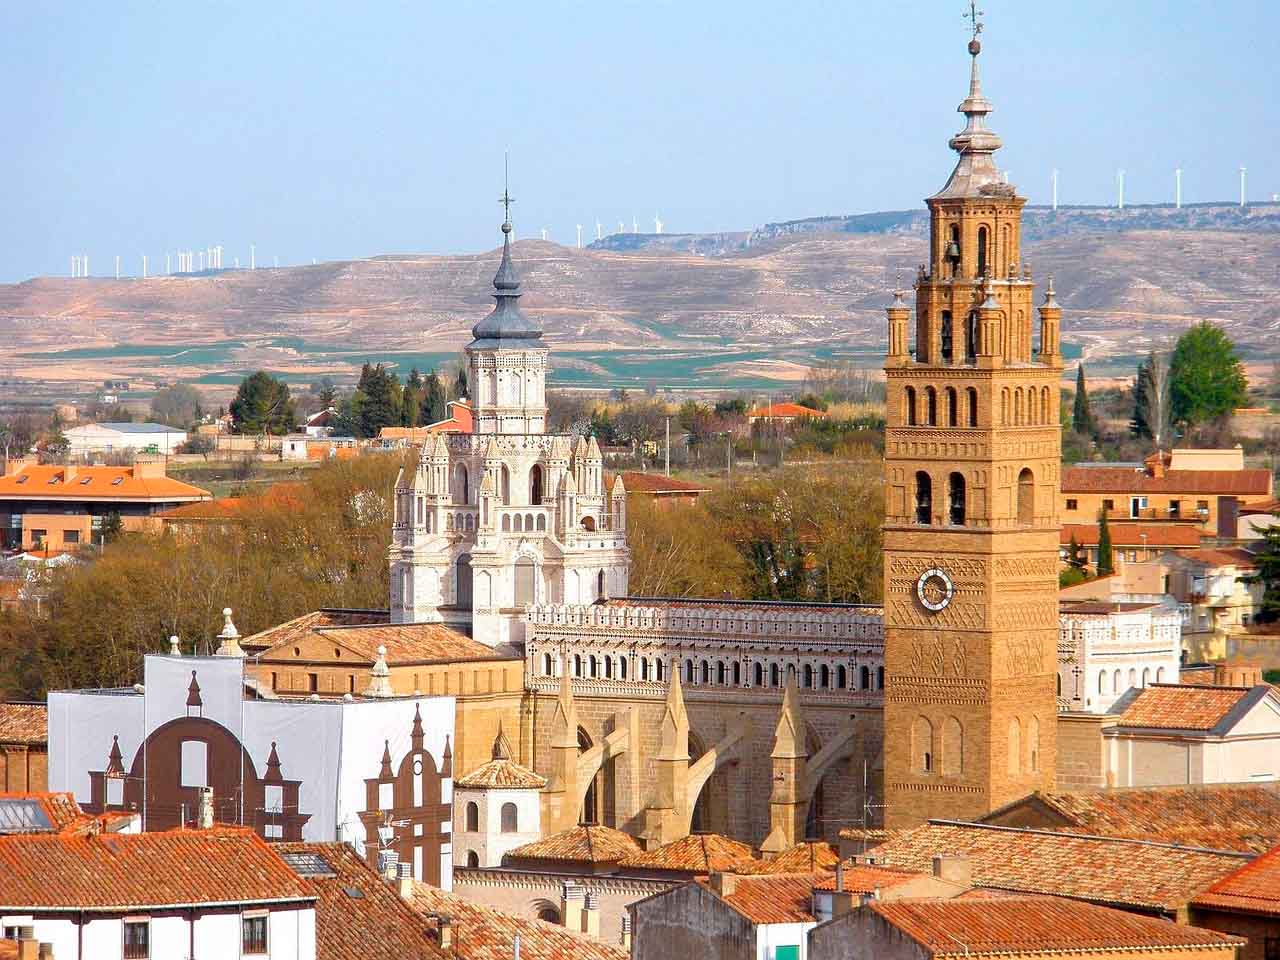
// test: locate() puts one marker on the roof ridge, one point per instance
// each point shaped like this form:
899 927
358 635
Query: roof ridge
1040 831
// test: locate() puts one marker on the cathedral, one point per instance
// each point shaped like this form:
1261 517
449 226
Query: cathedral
769 722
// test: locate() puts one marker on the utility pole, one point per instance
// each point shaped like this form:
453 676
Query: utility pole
667 456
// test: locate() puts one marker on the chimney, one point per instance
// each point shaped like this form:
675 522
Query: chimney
28 947
405 886
591 915
46 951
571 905
15 465
953 869
68 473
626 932
148 466
841 899
724 883
444 924
204 808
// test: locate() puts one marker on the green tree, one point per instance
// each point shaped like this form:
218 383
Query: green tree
112 527
1081 418
262 405
1075 555
326 393
1206 378
1267 563
178 406
433 399
1106 557
1151 400
378 396
460 385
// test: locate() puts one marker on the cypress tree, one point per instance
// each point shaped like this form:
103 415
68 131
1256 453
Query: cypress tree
1081 420
1267 561
1106 558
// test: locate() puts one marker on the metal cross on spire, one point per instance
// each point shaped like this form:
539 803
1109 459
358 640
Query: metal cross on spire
974 17
506 199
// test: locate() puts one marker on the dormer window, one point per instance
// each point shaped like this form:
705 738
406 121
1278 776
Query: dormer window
84 480
22 479
117 481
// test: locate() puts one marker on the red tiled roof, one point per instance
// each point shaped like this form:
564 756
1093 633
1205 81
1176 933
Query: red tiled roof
32 482
1248 482
696 853
24 723
1098 869
409 643
301 627
1222 557
1263 507
501 772
116 871
482 933
1254 888
783 898
1020 925
581 844
861 878
1181 706
657 484
810 857
783 411
1132 534
60 809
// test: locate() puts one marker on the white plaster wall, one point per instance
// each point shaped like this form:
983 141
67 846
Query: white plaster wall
170 937
218 935
770 936
102 940
60 934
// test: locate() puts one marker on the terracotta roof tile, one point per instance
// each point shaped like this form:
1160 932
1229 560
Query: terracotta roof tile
24 723
1243 817
1249 482
1181 706
1019 925
1226 557
810 857
1254 888
1132 534
784 898
299 627
501 772
1098 869
696 853
59 809
411 643
581 844
117 871
377 925
787 409
657 483
861 878
482 933
33 483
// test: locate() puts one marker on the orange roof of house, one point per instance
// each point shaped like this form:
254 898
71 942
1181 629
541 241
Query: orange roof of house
656 484
863 878
785 898
125 872
375 925
1099 869
48 482
1262 506
59 808
501 772
1132 534
1244 817
302 626
482 933
407 643
585 843
812 856
1254 888
24 723
284 495
1221 557
1248 482
1021 925
1179 706
786 410
696 853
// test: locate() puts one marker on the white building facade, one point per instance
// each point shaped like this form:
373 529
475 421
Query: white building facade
491 522
1107 648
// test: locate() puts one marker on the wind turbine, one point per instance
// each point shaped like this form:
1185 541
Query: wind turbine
579 236
1055 189
1242 172
599 230
1119 189
1177 188
657 224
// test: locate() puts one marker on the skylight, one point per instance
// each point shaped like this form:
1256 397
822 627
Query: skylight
308 864
22 816
117 481
84 480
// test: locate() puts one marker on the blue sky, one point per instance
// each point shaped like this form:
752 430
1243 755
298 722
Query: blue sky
332 130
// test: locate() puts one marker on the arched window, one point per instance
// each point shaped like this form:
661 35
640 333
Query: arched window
946 336
774 675
608 668
600 591
1102 682
1146 676
910 412
955 498
525 576
704 672
879 678
509 818
542 521
982 251
722 673
952 748
577 664
688 671
971 336
924 498
1015 747
953 408
506 523
808 675
864 678
589 524
546 665
504 485
1046 406
473 859
1017 406
1033 742
1026 498
473 817
931 403
1004 406
953 251
824 676
644 668
1159 674
1115 682
1059 684
535 484
971 417
922 745
461 484
842 676
1133 677
622 668
659 670
593 666
462 581
757 679
737 674
549 914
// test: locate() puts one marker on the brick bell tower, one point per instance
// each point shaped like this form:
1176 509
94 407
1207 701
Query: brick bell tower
972 459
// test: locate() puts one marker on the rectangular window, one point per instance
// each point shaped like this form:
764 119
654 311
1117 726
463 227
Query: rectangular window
313 682
386 796
1202 506
1072 504
137 939
115 791
273 798
1175 509
274 679
38 536
1108 504
195 763
1271 948
253 937
70 536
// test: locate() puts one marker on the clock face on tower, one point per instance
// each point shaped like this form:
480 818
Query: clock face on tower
935 589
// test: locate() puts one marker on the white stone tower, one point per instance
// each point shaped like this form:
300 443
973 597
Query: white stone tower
491 522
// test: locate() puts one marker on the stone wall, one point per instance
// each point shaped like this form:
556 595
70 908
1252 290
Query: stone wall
1082 765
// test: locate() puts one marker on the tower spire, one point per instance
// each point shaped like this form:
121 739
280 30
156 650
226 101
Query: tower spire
975 173
507 321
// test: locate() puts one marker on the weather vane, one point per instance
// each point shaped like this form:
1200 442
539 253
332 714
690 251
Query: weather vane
973 16
506 199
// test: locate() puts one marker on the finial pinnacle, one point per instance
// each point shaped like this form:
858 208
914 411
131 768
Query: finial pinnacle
974 16
506 199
